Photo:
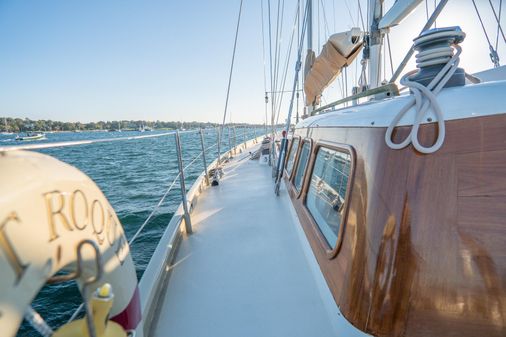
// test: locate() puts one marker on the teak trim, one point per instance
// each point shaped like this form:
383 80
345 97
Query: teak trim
343 148
289 152
305 172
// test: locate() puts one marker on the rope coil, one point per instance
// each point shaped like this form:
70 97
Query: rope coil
425 96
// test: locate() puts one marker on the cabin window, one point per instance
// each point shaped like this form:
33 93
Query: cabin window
327 191
301 165
291 156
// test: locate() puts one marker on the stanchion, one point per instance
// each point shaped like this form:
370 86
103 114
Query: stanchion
187 220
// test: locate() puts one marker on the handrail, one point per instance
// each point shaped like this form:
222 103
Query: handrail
179 175
390 89
141 227
193 161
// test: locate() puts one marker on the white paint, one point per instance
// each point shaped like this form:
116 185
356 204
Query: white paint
476 100
399 10
493 74
157 269
342 327
244 271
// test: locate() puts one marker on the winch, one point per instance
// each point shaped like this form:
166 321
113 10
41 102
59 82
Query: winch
434 47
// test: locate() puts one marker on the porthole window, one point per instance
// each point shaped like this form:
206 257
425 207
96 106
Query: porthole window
301 165
327 192
291 156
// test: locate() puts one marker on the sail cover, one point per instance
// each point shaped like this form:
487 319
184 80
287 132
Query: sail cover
338 52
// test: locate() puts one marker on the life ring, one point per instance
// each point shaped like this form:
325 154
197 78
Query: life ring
47 209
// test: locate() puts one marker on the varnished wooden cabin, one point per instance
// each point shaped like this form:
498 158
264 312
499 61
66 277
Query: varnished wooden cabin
410 244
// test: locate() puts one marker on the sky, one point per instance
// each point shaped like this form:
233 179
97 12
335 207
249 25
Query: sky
169 60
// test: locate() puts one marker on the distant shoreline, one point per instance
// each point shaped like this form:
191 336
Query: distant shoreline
18 125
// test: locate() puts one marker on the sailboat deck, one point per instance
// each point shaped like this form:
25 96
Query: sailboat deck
247 270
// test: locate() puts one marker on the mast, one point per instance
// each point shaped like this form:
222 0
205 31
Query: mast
309 25
375 41
309 108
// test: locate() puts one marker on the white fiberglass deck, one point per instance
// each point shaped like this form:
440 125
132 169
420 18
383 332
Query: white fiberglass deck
246 270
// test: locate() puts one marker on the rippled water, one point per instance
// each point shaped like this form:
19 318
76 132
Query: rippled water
133 175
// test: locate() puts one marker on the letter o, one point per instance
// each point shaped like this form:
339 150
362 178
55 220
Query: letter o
73 199
94 206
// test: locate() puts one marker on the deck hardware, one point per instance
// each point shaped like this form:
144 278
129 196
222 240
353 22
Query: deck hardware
86 283
388 90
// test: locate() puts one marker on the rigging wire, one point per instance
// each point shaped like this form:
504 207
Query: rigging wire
298 66
356 77
274 86
270 61
334 14
298 46
390 53
384 59
498 23
435 6
343 85
318 29
277 56
498 19
287 61
263 58
231 67
346 81
361 16
494 57
326 25
349 12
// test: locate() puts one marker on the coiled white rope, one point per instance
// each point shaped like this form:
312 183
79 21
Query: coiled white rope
425 97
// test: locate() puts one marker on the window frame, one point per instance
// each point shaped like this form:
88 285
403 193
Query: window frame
289 176
344 148
298 194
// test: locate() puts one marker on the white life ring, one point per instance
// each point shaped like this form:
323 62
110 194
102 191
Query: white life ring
47 208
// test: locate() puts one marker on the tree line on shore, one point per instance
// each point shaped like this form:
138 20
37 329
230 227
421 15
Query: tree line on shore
8 124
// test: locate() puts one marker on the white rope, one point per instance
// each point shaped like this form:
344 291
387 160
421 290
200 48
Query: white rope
424 97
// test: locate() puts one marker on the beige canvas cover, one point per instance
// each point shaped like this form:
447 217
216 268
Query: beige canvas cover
327 66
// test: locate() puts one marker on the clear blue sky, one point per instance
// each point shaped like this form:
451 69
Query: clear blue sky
168 60
90 60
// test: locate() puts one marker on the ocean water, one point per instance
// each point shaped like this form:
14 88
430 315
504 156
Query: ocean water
133 175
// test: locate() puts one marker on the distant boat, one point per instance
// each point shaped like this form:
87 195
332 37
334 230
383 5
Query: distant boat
144 128
31 136
6 132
